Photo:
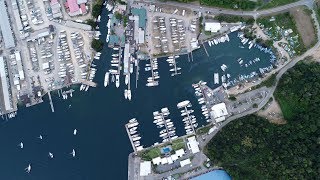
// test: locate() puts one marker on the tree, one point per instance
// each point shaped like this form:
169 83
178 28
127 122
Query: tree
97 45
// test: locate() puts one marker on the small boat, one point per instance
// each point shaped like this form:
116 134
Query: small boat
21 145
133 120
117 80
106 79
50 155
75 132
73 153
40 137
129 94
133 129
126 79
28 168
126 93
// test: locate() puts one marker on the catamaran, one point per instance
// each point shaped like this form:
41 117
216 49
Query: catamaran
106 79
117 80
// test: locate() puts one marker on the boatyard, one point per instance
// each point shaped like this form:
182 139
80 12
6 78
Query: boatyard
48 52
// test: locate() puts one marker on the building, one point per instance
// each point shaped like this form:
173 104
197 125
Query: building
185 162
76 7
5 86
141 36
142 13
193 145
56 9
145 168
219 112
212 26
7 33
19 65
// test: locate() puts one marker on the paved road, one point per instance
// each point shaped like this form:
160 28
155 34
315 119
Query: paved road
215 10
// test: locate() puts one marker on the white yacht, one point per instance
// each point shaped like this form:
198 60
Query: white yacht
216 78
28 168
133 120
129 94
50 155
106 79
224 67
117 80
40 136
126 93
73 153
126 79
75 132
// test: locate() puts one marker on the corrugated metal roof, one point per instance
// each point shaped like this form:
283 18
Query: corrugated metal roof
5 27
142 13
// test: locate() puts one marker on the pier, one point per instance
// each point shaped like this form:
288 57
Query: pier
190 120
89 83
130 138
51 103
204 47
137 72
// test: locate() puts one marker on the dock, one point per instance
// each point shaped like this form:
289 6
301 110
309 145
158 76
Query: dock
190 120
137 72
205 49
130 138
51 103
89 83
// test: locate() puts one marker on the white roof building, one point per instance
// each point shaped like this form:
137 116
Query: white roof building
218 112
180 152
5 27
156 160
185 162
19 65
141 36
193 145
145 168
212 26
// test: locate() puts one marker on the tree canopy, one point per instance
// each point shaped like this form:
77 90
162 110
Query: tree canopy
253 148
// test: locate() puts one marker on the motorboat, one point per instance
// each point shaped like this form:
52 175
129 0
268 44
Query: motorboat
133 120
129 94
40 137
126 93
133 128
183 104
75 132
117 80
106 79
132 124
50 155
136 138
126 79
132 132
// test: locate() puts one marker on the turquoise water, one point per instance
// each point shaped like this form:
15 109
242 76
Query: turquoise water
102 145
214 175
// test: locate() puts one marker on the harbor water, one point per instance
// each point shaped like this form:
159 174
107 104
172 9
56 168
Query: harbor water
99 115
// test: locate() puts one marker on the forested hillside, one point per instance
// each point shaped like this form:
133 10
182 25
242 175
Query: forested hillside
252 148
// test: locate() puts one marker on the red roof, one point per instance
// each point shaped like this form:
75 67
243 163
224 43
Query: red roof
83 8
73 6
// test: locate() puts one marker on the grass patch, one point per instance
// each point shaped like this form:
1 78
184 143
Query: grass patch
231 4
149 154
203 130
275 3
178 144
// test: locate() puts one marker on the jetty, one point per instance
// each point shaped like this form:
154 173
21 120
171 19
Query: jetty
51 103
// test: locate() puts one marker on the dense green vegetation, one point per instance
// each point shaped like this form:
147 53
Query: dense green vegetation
285 21
97 8
275 3
92 23
234 19
97 45
252 148
231 4
269 82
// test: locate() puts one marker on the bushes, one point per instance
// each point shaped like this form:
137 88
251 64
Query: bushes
234 19
231 4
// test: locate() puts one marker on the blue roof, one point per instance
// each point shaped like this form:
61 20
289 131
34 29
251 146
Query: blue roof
142 13
214 175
